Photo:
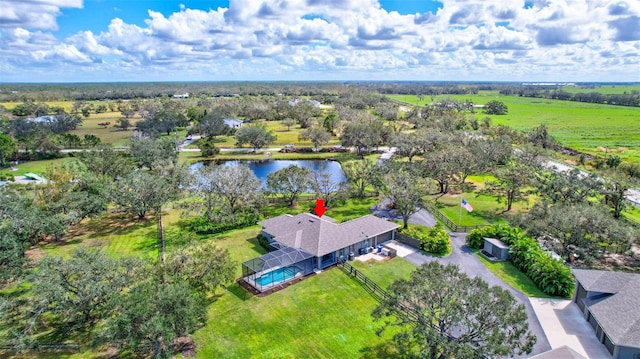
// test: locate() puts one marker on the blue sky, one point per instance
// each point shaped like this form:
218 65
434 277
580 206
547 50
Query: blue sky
253 40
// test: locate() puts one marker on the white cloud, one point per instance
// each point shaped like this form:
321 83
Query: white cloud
34 14
465 39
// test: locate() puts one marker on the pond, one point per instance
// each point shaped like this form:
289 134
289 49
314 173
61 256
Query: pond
262 168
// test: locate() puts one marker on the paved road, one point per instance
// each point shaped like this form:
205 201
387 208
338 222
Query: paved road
422 217
470 264
632 195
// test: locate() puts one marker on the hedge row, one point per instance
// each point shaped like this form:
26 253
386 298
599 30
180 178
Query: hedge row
549 274
434 240
201 225
503 232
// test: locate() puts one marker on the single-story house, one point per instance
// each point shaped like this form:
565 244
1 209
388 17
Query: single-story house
233 122
610 302
305 243
563 352
43 119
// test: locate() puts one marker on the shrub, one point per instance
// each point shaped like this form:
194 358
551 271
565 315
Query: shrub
549 274
503 232
201 225
437 241
264 242
434 240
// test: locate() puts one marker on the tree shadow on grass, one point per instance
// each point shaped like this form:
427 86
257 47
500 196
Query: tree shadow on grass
239 292
256 246
109 224
386 350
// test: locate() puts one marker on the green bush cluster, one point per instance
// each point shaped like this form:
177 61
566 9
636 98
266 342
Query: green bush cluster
434 240
201 225
264 242
503 232
549 274
6 177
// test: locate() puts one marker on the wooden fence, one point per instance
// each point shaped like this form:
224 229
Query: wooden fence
447 222
374 289
380 294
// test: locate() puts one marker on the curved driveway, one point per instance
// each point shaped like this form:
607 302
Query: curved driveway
471 265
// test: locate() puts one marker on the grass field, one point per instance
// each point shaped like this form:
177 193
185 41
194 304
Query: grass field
325 316
604 89
586 127
109 134
384 273
486 208
283 136
37 167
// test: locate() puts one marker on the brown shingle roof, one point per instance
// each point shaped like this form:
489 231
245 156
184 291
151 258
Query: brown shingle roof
320 236
618 314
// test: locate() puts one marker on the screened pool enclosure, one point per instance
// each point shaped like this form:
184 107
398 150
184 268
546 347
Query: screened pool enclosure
277 267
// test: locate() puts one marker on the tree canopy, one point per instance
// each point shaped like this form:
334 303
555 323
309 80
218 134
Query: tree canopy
438 303
495 107
258 136
289 182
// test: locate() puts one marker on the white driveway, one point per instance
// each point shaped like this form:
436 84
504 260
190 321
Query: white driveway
563 324
402 250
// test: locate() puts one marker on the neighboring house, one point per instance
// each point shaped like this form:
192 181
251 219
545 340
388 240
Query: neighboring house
181 95
307 243
610 302
563 352
297 101
42 119
233 122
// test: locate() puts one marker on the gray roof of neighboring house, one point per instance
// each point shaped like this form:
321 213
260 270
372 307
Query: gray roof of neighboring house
496 242
320 236
563 352
617 314
232 121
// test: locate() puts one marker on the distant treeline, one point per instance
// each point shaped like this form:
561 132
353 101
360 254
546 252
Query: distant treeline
151 90
323 91
625 99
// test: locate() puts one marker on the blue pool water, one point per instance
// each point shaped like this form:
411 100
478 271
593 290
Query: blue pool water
276 276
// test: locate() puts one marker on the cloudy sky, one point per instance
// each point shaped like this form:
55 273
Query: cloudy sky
198 40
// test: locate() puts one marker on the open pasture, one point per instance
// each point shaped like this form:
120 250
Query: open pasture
603 89
586 127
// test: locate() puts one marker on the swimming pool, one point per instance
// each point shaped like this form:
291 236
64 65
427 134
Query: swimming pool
277 276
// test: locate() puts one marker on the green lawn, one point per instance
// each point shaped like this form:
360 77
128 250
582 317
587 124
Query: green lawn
586 127
283 136
120 234
632 213
325 316
486 210
37 167
511 275
385 272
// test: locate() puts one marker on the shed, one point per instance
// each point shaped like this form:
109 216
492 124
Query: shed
496 249
232 122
